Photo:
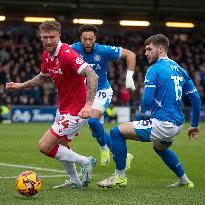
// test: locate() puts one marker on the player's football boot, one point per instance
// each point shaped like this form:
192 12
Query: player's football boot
113 181
68 184
105 157
87 171
178 184
128 161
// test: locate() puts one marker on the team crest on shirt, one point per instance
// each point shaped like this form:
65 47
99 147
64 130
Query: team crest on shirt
97 58
79 61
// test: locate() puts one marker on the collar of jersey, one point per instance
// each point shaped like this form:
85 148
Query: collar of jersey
57 49
163 58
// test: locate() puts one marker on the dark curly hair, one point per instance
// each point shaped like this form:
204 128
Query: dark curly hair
88 27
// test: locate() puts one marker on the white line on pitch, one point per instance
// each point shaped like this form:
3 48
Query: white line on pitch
31 167
43 176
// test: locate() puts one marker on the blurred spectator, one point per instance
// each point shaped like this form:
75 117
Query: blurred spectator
111 113
4 113
20 60
124 96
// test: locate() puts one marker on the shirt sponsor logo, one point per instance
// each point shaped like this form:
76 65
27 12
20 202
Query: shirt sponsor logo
57 71
98 67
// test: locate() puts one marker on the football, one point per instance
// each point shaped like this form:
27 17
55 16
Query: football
28 183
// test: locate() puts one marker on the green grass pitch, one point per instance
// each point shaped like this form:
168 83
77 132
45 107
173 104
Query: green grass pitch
147 179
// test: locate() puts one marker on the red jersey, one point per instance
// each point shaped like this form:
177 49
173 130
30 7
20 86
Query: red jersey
64 68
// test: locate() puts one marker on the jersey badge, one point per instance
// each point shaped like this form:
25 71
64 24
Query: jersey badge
79 61
97 58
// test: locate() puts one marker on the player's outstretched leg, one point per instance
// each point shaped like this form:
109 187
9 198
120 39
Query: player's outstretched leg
102 138
171 160
119 151
129 155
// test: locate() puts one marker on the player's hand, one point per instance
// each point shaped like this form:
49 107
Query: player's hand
193 133
85 111
129 83
14 86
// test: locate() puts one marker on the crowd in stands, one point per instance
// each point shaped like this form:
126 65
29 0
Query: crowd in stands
20 53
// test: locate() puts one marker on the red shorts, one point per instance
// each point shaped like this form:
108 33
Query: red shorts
67 126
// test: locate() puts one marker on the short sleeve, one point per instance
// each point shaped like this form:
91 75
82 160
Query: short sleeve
112 52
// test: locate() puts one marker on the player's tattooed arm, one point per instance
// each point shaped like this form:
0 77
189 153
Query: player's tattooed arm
91 81
36 81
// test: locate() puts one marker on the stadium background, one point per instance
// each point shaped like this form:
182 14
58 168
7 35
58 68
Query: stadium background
20 47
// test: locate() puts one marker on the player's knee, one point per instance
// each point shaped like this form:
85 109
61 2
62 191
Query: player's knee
43 148
157 146
156 149
40 146
93 121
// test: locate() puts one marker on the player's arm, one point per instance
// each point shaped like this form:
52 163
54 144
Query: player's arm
194 97
146 103
148 97
76 63
91 82
149 90
130 58
38 80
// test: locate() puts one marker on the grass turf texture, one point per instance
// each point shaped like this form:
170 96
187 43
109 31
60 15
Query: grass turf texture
147 179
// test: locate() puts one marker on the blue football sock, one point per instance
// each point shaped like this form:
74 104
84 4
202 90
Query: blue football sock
119 148
171 160
97 131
